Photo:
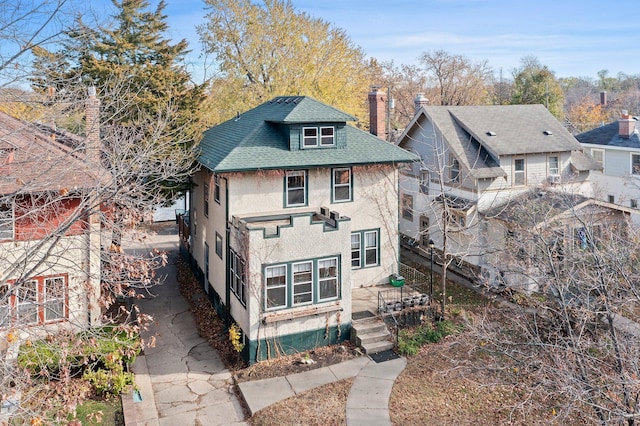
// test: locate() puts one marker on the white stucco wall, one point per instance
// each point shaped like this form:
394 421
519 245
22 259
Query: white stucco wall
261 194
69 255
318 242
374 206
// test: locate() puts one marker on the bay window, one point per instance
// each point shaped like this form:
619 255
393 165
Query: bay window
301 283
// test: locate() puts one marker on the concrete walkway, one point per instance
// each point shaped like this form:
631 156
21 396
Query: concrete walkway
368 400
183 381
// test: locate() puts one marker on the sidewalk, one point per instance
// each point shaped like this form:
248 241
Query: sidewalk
368 400
183 381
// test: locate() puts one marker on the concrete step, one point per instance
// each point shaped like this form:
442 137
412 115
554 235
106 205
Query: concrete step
368 338
374 348
368 327
373 337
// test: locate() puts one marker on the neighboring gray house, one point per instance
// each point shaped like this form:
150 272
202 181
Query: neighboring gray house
293 208
616 147
476 159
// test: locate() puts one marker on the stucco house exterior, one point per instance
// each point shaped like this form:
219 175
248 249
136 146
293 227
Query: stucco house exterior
476 159
292 209
49 243
616 147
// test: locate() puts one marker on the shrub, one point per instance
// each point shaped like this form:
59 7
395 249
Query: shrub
99 355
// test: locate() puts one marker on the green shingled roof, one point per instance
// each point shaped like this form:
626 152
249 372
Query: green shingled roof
255 140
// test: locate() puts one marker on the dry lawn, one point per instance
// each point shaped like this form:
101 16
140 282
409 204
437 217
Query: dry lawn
447 383
322 406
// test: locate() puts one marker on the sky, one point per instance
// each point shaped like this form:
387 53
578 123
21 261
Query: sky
571 37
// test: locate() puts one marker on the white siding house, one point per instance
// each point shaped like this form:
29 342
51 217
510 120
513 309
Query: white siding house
616 146
476 159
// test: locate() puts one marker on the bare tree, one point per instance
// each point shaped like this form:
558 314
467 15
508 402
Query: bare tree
25 25
573 335
458 80
442 199
72 178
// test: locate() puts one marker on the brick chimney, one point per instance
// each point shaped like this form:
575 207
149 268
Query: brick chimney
420 101
378 113
626 125
92 128
603 98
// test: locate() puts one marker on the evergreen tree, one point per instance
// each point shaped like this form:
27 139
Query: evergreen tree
136 70
140 82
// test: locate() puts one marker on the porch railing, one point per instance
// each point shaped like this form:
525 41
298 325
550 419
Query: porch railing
395 302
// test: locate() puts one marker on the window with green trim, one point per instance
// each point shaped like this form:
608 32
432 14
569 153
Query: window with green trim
238 277
301 283
206 199
276 287
341 179
312 137
219 245
296 188
327 279
356 255
216 188
365 249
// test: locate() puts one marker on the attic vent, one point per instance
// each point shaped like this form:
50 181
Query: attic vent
548 132
490 133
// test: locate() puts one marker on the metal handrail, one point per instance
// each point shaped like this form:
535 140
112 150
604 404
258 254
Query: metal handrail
382 308
414 297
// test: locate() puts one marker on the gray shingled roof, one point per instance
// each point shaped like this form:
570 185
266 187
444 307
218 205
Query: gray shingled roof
255 140
479 135
609 135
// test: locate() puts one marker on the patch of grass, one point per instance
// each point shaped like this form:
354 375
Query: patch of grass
410 341
458 294
104 412
324 405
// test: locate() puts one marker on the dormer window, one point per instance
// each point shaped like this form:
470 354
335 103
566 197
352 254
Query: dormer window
327 136
312 137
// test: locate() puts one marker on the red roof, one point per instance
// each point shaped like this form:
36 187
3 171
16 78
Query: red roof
33 158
